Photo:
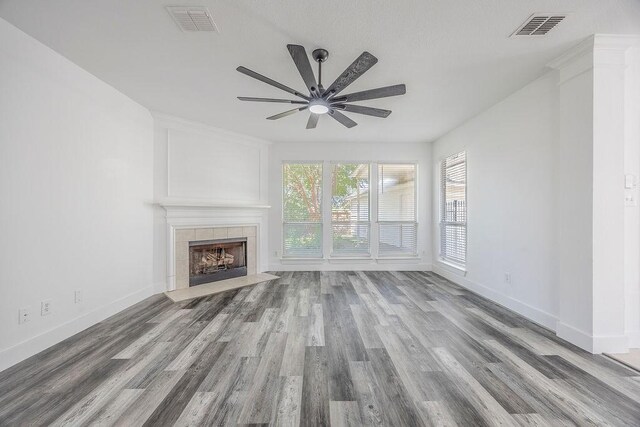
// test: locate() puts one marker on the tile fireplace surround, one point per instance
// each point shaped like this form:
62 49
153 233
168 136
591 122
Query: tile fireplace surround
185 235
196 220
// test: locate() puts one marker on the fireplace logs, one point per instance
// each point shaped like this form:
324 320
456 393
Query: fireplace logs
213 260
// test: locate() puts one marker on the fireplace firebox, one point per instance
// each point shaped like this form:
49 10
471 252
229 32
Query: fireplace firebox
213 260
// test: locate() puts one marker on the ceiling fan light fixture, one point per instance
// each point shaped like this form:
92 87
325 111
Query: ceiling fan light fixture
318 107
322 101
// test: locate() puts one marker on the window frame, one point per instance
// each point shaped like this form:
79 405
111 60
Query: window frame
368 223
322 209
398 254
442 213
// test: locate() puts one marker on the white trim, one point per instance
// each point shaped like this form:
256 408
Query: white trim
610 344
634 339
397 258
206 203
592 344
454 268
574 335
337 259
301 261
362 265
595 344
46 339
534 314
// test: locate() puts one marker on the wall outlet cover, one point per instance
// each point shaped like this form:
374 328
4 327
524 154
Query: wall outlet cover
78 297
24 315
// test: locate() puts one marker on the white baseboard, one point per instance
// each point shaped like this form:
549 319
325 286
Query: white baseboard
358 265
21 351
575 336
592 344
534 314
610 344
634 339
595 344
160 287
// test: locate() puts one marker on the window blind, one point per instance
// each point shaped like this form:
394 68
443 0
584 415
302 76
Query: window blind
350 226
302 210
453 209
397 224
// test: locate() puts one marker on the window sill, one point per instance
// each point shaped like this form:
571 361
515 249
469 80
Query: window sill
347 259
454 268
301 260
395 258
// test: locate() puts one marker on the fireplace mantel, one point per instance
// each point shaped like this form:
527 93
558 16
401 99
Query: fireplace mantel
205 203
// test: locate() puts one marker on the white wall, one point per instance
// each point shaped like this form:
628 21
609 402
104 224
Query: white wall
510 218
546 199
419 153
75 185
195 165
632 211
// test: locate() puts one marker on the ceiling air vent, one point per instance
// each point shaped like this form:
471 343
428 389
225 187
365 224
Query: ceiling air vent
192 18
539 24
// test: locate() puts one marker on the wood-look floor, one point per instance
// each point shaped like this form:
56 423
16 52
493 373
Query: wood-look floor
339 348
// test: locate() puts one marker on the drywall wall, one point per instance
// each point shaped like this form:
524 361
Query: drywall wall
509 194
196 165
632 210
546 197
76 185
419 153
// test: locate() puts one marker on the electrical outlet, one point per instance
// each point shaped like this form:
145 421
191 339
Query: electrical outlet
507 277
78 296
45 308
24 315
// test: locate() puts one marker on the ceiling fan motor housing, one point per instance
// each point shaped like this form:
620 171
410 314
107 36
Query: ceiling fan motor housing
320 55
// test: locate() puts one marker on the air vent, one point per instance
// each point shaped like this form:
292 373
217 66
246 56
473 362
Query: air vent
539 24
192 18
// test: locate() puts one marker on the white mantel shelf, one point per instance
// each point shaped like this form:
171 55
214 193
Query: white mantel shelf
199 203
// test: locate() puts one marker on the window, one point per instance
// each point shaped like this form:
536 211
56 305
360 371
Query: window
397 209
453 209
350 209
302 210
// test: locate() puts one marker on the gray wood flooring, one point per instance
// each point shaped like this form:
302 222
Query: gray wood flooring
339 348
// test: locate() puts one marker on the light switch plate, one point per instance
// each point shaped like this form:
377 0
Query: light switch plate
45 308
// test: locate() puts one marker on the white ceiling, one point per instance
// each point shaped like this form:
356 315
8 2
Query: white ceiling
455 56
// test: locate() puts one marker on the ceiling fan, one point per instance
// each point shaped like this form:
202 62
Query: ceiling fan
326 101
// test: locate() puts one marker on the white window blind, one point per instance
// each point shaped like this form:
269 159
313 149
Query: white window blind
302 210
453 209
397 224
350 226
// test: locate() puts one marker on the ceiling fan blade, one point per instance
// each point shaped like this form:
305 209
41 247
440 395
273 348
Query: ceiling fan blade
381 92
303 65
286 101
359 109
353 71
344 120
271 82
313 121
286 113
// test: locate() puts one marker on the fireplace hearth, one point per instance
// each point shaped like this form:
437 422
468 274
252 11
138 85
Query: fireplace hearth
213 260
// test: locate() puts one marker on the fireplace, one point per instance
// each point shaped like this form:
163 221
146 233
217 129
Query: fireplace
213 260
